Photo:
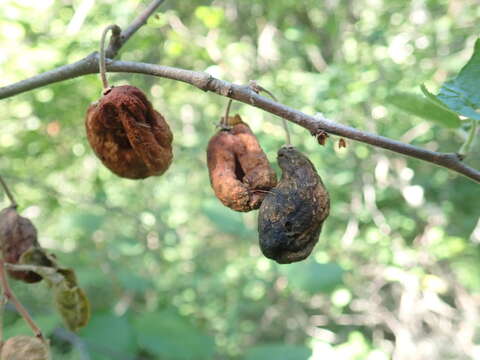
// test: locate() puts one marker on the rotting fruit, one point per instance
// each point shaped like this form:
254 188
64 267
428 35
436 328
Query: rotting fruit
131 138
17 235
240 173
292 214
22 347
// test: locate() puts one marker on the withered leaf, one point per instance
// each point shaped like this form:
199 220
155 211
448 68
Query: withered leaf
292 214
70 300
17 235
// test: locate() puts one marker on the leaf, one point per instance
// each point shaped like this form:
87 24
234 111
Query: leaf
226 220
314 277
462 94
111 335
433 98
169 336
70 300
424 108
134 282
279 352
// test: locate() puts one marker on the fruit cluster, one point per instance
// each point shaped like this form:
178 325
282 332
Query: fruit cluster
134 141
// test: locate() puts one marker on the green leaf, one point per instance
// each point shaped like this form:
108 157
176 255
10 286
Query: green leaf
430 96
462 94
314 277
278 352
170 336
109 335
133 282
226 220
424 108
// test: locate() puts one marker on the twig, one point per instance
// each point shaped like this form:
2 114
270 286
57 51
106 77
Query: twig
204 81
9 295
3 302
8 193
83 66
117 42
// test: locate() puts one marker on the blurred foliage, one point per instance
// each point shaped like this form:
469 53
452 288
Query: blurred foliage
170 272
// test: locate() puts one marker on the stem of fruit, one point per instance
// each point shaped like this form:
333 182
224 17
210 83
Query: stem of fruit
9 295
465 149
8 193
101 63
224 122
258 88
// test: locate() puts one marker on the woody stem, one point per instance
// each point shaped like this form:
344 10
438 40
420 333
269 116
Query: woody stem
9 295
8 193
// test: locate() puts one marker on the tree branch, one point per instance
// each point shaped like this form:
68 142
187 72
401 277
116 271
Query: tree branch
205 82
8 193
116 42
84 66
9 295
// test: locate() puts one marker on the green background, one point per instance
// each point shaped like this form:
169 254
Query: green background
170 272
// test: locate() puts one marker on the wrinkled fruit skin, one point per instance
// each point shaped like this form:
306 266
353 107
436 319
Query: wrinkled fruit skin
291 216
23 347
17 235
240 173
131 139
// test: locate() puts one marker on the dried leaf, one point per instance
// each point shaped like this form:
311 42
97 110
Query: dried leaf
17 235
70 300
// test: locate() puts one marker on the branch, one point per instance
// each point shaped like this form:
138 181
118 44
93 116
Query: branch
83 66
8 193
118 41
9 295
206 82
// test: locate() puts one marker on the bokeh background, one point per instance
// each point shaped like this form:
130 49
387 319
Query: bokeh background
170 272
